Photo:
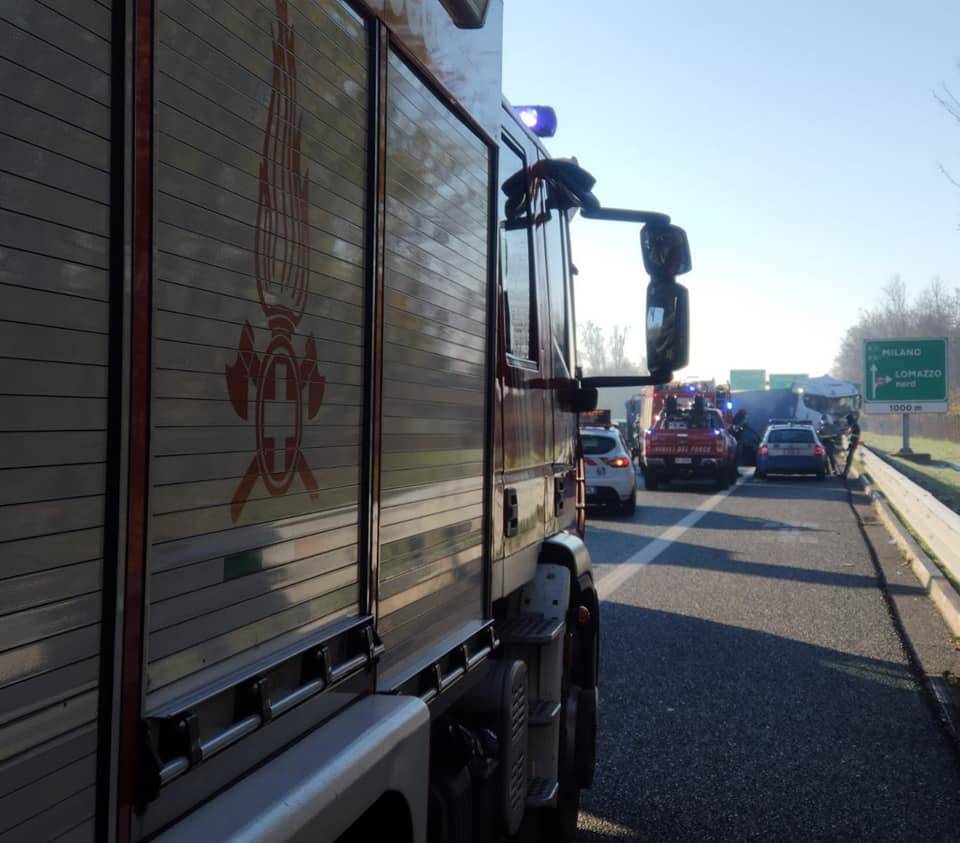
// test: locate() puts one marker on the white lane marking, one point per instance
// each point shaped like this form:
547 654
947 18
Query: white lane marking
632 564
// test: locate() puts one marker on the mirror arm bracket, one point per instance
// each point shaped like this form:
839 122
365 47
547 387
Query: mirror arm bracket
623 215
653 379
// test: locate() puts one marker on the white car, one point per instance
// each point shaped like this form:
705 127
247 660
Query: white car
610 475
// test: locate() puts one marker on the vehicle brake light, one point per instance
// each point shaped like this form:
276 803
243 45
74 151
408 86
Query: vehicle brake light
764 450
617 462
818 451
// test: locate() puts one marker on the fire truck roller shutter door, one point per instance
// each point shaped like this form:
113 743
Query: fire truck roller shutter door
259 329
55 233
434 372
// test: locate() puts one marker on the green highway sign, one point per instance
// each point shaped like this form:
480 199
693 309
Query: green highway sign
905 376
742 379
785 381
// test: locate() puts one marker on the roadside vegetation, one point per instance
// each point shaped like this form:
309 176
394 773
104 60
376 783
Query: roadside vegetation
933 312
940 477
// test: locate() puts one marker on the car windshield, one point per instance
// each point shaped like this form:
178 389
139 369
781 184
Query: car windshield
790 437
594 444
691 421
835 407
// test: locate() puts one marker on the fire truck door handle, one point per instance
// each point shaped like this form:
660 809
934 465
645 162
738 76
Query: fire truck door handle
511 513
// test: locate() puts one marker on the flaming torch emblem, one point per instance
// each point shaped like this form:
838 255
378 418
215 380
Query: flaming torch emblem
285 387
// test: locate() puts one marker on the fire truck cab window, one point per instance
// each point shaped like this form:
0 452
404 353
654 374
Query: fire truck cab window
515 275
559 295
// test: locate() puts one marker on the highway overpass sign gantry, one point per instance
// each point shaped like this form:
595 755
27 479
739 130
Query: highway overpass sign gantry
786 381
747 379
905 376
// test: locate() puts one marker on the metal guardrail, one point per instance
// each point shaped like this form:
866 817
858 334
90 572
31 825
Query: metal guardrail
936 524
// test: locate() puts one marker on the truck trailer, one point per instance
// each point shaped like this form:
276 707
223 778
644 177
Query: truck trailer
292 505
807 399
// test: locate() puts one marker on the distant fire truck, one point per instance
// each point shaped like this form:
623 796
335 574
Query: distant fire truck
716 397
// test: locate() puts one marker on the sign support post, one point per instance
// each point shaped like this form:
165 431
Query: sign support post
905 448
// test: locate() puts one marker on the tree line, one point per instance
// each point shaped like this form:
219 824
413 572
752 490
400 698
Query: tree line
933 312
600 354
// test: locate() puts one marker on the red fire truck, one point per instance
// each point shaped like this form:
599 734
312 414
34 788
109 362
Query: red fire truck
714 396
689 434
289 428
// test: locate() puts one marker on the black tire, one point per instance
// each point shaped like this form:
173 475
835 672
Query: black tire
629 506
652 480
821 475
722 480
760 475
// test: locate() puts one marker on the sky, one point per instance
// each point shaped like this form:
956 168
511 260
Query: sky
797 143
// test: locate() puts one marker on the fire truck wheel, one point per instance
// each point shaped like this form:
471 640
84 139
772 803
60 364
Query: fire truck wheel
722 480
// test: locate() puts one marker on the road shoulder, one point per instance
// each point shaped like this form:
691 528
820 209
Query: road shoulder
933 649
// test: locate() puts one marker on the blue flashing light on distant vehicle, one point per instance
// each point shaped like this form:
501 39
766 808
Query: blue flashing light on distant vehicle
539 119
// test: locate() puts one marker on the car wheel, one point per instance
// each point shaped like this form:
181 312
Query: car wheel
629 506
652 480
760 475
821 475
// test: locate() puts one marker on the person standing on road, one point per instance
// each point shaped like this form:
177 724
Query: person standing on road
828 433
737 427
853 431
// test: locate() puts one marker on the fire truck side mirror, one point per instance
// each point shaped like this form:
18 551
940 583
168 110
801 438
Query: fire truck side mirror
668 325
666 250
583 399
666 254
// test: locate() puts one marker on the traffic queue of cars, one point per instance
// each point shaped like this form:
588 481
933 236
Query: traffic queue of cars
693 442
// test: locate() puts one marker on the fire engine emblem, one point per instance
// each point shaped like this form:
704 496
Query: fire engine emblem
286 388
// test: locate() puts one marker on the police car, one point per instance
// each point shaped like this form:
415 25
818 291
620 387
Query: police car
610 475
790 446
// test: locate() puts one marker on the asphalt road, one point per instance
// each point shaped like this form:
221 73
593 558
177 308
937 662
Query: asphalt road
754 686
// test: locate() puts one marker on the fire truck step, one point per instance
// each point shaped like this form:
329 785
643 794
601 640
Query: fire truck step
531 630
542 793
543 712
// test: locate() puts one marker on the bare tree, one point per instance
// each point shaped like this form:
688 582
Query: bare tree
618 354
935 312
606 356
896 310
594 347
951 104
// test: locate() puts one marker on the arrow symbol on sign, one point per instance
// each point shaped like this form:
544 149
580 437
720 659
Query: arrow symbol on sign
875 381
